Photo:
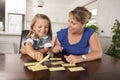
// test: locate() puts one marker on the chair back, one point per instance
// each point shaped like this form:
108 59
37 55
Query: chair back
23 38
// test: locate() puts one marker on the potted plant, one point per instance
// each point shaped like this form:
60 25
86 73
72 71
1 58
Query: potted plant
114 49
93 26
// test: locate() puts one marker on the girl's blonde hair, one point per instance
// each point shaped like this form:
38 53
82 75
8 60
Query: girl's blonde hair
40 16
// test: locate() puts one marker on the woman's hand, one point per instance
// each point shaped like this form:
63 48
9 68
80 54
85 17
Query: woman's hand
57 49
73 59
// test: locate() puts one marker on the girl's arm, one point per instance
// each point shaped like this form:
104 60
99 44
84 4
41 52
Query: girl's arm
44 50
24 49
32 53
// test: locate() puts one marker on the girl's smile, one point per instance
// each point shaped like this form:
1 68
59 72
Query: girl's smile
41 27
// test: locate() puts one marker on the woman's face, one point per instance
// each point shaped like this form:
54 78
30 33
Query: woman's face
41 27
74 26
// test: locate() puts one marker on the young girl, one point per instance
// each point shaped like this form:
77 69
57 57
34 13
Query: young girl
39 37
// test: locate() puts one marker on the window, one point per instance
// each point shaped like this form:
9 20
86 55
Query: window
93 18
94 14
15 22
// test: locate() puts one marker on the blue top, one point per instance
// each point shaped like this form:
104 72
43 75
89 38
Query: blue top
82 47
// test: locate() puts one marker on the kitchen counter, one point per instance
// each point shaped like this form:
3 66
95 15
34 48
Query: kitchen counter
9 34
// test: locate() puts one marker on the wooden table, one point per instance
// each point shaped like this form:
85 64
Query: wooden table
12 68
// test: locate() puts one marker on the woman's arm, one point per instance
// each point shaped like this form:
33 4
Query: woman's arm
96 50
95 53
57 46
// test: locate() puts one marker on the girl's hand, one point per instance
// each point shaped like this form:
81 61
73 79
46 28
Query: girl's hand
73 59
34 54
23 50
57 49
37 55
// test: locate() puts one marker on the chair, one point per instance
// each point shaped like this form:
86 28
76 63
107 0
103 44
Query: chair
23 38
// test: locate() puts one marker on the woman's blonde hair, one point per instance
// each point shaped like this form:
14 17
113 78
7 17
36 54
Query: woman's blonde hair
81 14
40 16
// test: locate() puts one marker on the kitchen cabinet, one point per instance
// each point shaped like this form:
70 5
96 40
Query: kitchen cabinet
15 13
15 22
16 6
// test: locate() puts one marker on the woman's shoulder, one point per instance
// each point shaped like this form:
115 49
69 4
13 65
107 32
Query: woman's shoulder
63 30
62 34
89 30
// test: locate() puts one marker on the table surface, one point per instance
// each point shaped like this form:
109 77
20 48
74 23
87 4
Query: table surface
12 68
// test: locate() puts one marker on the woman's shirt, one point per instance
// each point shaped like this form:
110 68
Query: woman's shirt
40 43
82 47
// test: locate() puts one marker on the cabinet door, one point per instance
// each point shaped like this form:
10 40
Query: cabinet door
16 6
15 22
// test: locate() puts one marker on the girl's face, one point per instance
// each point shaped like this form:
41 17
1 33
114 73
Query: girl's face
74 26
41 27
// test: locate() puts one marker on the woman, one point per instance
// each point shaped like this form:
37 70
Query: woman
77 42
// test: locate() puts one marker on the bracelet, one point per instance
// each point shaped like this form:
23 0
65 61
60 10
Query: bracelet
84 57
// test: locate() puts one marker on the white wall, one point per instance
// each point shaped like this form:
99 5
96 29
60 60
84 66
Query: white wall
57 13
108 11
80 3
92 5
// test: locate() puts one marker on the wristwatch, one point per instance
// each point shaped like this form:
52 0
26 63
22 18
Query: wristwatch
84 57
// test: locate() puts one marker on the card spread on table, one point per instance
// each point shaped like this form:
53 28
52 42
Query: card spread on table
55 59
33 66
56 63
67 64
76 69
56 68
39 68
30 63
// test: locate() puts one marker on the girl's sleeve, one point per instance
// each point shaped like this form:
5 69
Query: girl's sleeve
48 42
30 40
